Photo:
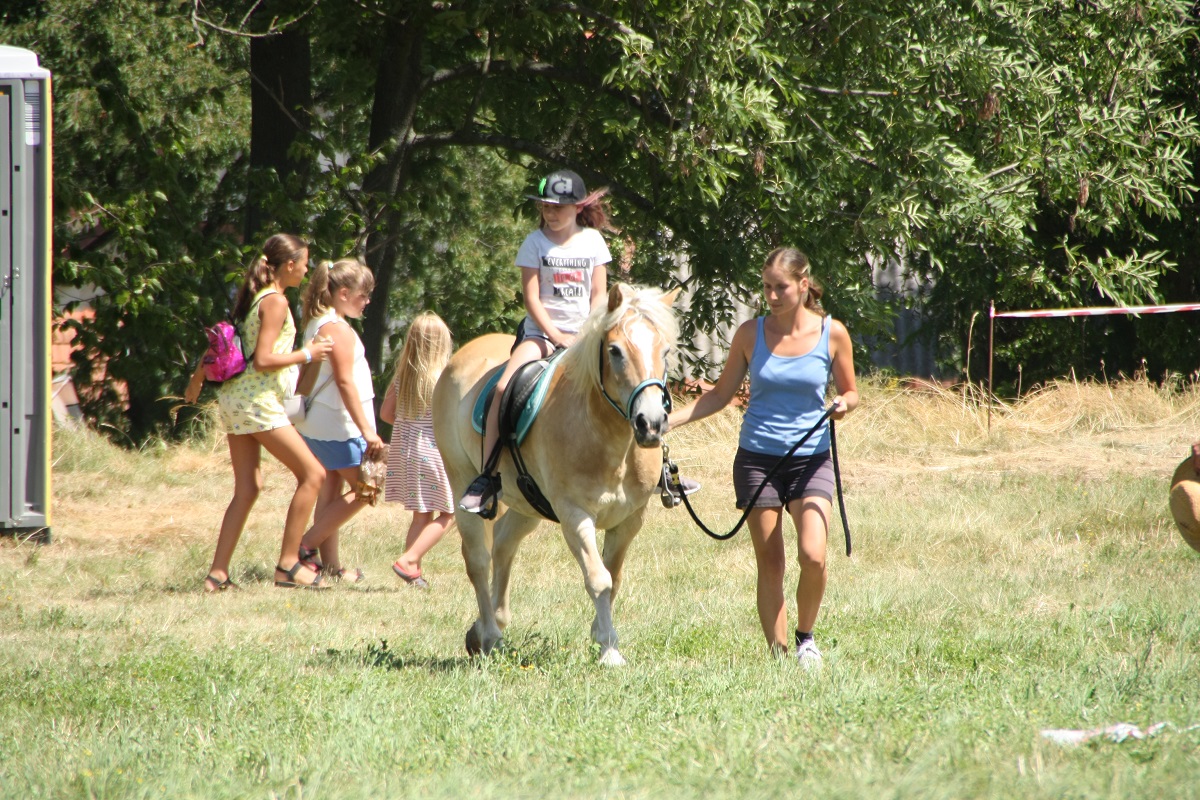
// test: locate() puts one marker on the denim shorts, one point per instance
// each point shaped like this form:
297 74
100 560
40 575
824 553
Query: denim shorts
797 478
338 455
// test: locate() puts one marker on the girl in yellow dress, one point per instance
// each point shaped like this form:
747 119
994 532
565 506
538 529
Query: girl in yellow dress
251 410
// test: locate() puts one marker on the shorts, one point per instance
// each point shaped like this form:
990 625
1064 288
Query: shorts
338 455
798 477
522 335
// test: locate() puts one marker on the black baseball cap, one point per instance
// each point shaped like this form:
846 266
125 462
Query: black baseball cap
562 188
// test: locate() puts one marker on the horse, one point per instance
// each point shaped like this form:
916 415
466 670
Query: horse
593 450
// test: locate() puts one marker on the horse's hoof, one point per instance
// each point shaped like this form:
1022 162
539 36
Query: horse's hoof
611 658
474 644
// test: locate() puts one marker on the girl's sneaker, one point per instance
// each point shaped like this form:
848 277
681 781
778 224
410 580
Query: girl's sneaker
808 655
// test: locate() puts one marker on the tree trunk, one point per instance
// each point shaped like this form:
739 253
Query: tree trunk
280 100
397 92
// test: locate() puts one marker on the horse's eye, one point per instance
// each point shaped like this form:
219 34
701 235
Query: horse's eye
614 351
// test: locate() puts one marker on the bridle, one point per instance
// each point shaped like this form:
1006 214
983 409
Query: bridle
627 412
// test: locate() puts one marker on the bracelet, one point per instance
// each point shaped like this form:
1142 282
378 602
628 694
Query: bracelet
307 355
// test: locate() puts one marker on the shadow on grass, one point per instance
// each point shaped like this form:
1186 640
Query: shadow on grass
532 651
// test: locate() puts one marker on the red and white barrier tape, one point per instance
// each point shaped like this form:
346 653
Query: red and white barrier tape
1096 312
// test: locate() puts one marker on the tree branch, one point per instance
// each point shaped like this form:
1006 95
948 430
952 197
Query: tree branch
274 27
838 145
1002 170
856 92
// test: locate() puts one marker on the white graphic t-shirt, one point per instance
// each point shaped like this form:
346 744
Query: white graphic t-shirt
564 276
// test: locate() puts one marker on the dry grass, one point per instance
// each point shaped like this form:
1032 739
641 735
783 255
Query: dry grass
1001 583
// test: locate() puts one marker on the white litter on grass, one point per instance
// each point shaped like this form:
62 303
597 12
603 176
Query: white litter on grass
1121 732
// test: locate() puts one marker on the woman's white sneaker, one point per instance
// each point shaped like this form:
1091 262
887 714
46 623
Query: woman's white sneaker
807 654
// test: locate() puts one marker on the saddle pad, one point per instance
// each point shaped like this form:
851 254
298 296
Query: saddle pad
528 412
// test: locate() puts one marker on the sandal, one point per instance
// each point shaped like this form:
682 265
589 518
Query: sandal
412 580
311 557
217 584
291 582
355 575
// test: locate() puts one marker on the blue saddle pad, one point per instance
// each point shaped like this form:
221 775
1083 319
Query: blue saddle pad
531 407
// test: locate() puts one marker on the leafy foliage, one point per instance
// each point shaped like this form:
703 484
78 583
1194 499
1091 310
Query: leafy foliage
1035 154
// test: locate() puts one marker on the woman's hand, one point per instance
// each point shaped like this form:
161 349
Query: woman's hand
843 404
320 347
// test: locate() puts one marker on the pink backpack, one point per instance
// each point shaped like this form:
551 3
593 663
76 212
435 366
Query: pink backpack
224 358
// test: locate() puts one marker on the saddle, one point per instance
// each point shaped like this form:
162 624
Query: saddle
519 406
522 399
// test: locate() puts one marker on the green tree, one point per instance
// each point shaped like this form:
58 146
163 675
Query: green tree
1036 154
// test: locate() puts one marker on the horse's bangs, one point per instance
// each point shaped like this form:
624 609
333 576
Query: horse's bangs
583 355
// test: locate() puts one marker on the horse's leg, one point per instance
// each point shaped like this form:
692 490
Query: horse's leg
510 530
476 550
616 544
580 533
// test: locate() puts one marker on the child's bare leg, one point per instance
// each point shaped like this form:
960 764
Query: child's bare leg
246 456
424 532
287 446
331 490
337 513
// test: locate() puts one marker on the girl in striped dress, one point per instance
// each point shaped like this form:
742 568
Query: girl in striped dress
416 477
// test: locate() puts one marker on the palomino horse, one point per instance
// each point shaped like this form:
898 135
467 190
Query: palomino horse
593 451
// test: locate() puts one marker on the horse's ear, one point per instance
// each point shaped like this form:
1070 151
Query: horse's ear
668 299
617 295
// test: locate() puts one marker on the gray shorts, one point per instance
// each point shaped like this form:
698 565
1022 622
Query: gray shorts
797 478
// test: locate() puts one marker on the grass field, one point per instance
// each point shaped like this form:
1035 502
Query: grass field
1001 584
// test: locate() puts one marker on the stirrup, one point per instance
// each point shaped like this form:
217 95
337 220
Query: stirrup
670 492
486 487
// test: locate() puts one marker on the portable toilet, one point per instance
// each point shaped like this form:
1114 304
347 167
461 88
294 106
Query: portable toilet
25 300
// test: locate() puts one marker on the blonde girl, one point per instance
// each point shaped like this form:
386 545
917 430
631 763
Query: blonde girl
339 427
251 411
789 354
564 275
416 477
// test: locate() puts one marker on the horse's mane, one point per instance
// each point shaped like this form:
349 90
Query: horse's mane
580 361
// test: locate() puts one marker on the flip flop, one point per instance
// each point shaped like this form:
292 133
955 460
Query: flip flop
411 580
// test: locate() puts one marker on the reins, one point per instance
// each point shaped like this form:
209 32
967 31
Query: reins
673 469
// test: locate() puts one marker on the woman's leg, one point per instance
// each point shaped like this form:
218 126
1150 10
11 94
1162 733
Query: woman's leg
766 531
337 513
287 446
424 532
811 515
245 455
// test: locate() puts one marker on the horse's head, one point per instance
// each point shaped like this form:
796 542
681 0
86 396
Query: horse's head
629 345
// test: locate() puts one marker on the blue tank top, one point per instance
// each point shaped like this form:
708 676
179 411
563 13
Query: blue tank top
787 397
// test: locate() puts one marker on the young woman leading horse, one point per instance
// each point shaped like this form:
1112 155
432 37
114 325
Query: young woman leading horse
593 450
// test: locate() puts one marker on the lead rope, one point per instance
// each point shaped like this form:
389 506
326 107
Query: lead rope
676 488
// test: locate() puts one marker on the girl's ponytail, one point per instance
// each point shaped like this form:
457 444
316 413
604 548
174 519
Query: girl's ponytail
328 278
316 294
276 252
592 211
